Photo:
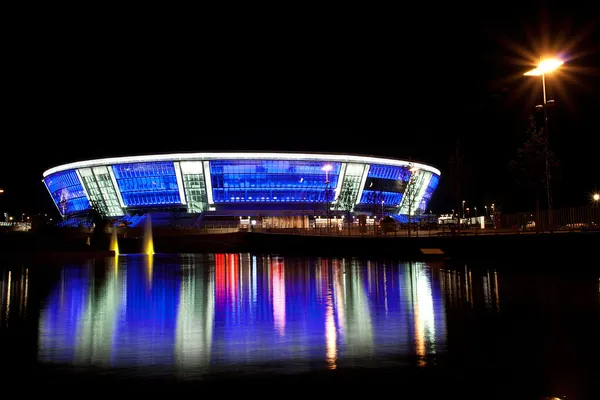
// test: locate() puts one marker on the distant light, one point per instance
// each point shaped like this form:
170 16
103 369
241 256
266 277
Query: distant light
533 72
550 65
545 67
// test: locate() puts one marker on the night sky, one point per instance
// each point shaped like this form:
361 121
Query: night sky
403 84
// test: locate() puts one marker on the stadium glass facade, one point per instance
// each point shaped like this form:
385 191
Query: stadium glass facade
242 184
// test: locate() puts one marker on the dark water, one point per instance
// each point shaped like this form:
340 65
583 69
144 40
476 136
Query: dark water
478 330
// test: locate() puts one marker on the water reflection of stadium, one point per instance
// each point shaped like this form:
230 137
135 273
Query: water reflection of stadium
200 313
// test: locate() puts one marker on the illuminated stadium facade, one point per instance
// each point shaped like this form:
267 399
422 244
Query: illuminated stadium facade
242 184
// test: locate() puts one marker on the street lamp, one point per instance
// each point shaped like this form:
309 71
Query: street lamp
545 67
596 197
327 168
463 208
2 192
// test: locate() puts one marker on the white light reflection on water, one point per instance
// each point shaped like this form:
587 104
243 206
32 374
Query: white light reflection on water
457 288
14 293
195 316
423 312
96 327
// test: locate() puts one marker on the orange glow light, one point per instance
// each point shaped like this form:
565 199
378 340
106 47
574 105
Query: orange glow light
545 67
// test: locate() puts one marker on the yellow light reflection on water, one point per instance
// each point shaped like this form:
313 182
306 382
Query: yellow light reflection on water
149 268
330 334
26 288
496 291
8 296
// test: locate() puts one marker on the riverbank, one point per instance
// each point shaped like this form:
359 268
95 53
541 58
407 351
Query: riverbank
567 246
574 245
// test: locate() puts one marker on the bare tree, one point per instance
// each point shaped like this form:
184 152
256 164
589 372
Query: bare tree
457 177
410 197
346 201
375 198
529 165
98 219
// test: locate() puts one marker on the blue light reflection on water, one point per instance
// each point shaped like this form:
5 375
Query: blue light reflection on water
205 313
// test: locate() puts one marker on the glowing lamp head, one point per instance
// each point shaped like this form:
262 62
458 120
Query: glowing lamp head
327 168
545 67
596 197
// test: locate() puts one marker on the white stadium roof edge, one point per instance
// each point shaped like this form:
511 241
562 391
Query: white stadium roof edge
240 156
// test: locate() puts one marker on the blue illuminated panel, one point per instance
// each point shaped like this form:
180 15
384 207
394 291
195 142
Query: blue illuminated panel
433 183
67 192
240 181
389 198
147 184
389 172
385 182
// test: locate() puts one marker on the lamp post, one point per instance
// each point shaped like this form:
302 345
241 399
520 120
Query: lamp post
596 200
545 67
327 168
463 208
2 192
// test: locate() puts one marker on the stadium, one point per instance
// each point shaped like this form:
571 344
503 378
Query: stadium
273 189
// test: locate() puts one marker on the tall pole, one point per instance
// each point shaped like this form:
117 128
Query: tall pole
457 177
546 149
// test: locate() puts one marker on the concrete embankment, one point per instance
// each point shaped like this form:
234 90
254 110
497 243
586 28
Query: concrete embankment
48 247
566 246
573 246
